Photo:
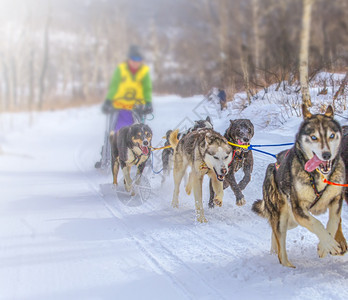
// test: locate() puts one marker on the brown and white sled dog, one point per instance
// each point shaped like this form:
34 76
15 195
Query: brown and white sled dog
130 146
207 153
294 190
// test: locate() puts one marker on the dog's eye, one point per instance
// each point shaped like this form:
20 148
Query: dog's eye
226 157
332 136
215 157
314 138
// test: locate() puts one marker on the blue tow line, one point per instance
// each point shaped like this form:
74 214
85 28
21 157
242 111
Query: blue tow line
152 167
251 147
274 145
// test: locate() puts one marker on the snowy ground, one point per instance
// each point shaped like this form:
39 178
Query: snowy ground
64 236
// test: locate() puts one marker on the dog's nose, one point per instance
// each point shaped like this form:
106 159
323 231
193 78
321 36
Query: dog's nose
145 143
245 140
326 155
223 171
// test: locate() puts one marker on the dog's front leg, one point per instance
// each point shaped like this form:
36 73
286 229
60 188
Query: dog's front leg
327 243
333 226
236 190
197 182
115 168
211 194
140 171
247 169
218 190
127 179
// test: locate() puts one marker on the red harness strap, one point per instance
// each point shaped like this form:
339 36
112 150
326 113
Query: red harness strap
234 153
334 183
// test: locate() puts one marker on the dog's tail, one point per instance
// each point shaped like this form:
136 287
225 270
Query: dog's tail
173 138
265 206
258 207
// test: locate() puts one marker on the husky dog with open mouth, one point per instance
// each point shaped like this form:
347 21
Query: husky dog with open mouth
294 188
207 153
240 132
130 146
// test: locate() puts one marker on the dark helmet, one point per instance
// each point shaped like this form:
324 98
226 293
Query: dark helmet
134 53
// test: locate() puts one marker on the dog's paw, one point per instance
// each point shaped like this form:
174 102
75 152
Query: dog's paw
175 204
188 189
211 203
201 219
344 248
241 202
288 264
328 246
128 188
340 239
217 202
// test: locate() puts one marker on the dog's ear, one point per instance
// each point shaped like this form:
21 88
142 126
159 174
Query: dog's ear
208 119
329 112
305 112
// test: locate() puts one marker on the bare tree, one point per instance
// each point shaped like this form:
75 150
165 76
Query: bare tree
305 33
45 61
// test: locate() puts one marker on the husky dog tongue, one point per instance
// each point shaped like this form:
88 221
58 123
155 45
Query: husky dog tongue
314 163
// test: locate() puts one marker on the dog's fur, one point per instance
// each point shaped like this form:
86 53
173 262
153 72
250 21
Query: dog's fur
344 154
239 132
167 154
208 153
130 146
289 197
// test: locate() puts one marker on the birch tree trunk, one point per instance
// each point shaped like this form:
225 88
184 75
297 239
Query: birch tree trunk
305 32
44 63
256 32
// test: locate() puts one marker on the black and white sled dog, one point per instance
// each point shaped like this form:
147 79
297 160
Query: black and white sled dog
240 132
294 189
167 154
207 153
130 146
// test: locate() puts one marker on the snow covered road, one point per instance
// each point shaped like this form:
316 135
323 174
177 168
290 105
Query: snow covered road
64 237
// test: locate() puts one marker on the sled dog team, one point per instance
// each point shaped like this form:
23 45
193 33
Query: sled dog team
295 187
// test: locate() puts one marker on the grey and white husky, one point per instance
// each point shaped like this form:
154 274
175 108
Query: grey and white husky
207 153
167 154
294 188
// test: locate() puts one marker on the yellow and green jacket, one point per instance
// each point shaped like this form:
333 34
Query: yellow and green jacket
127 90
